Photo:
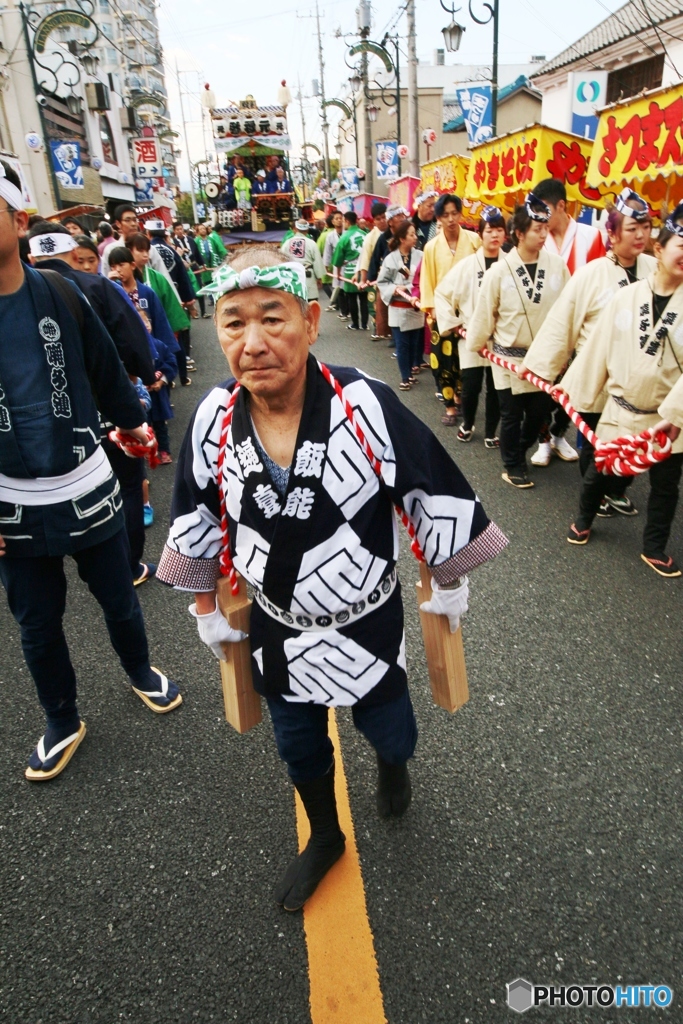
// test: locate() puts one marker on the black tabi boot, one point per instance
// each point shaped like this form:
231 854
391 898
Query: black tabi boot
394 792
323 849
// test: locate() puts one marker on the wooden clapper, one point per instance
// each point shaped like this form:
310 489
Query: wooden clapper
444 650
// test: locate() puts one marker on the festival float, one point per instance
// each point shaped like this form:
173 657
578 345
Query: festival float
255 138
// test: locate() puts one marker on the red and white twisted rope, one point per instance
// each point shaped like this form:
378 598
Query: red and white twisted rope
226 565
372 458
135 449
625 456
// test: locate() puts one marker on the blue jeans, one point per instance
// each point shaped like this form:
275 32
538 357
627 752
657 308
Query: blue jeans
36 592
409 346
304 745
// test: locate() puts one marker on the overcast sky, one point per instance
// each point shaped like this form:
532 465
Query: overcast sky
248 48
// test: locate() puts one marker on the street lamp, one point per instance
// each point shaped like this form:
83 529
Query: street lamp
373 110
452 35
355 81
90 62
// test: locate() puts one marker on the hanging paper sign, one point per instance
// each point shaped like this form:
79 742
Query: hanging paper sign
639 140
66 160
146 159
475 103
386 160
349 178
516 162
447 174
403 152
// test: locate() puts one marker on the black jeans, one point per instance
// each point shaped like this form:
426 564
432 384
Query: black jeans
472 380
130 473
615 486
521 418
352 299
305 747
202 304
661 504
36 592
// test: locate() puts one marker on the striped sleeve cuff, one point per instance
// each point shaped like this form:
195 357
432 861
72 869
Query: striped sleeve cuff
489 543
197 575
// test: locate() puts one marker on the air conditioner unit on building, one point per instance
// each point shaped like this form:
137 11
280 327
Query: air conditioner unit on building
129 119
97 96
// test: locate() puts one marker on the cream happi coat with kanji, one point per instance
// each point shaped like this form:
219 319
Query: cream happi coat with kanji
454 302
573 316
511 309
636 360
672 407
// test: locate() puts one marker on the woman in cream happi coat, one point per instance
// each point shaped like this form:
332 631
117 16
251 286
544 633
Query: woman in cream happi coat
635 352
515 298
573 316
454 302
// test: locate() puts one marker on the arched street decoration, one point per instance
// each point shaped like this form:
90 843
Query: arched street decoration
342 106
154 101
58 19
311 145
367 46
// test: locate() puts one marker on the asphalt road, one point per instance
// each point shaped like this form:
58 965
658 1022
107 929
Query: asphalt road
544 837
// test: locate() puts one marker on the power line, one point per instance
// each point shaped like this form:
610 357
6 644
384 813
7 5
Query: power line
661 41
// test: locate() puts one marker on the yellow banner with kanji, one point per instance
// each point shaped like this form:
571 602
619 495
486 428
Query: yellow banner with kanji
640 140
447 174
504 170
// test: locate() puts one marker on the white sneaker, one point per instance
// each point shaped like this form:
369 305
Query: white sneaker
562 448
543 455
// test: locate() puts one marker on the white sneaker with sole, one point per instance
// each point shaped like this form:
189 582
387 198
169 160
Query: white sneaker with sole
542 456
563 449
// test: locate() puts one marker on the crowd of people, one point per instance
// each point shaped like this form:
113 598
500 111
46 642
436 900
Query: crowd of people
288 474
536 287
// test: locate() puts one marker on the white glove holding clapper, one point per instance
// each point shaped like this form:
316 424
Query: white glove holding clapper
452 603
214 630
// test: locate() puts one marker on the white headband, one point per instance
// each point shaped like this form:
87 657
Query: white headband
394 211
155 225
51 244
9 192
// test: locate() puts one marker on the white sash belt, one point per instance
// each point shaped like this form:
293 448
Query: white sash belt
334 620
50 490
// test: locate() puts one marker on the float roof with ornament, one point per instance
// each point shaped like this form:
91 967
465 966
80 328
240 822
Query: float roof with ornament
247 129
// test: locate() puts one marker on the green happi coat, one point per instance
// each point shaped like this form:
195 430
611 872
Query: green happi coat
346 255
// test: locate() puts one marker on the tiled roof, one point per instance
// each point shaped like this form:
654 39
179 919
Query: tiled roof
629 20
457 123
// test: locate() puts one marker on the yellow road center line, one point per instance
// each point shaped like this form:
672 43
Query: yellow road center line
342 965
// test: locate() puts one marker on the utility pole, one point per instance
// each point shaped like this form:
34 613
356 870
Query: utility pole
304 157
325 125
364 25
413 123
187 145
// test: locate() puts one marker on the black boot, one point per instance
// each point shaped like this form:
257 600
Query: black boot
394 792
323 849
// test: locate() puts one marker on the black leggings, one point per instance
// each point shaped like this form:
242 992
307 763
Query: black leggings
661 505
472 380
352 299
521 417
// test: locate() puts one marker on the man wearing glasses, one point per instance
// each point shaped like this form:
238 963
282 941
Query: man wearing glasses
127 224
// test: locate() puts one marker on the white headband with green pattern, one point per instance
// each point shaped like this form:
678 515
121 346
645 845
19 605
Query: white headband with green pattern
284 277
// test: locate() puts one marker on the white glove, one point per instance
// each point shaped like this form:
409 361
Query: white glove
214 630
452 603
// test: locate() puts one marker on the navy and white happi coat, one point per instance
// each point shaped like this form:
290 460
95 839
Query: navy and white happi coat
327 621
